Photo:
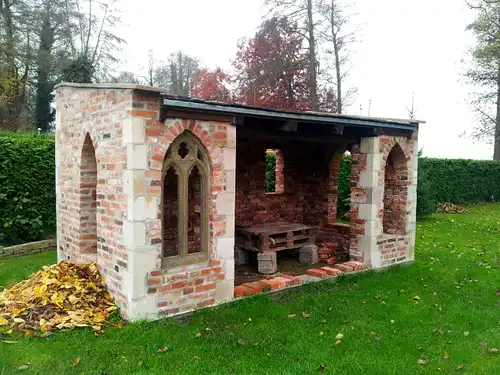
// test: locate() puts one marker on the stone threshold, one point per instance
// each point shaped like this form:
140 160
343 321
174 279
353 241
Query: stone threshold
283 282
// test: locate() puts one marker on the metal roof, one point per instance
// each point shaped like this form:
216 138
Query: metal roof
287 115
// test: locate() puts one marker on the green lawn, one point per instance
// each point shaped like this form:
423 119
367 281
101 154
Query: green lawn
386 327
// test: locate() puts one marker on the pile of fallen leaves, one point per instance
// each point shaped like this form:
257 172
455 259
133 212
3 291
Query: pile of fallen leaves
62 296
450 208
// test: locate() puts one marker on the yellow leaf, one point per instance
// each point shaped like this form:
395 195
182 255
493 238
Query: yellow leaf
76 362
18 320
305 315
162 350
466 333
198 334
339 336
291 316
338 343
416 298
3 321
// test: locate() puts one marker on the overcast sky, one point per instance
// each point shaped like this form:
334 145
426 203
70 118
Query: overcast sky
405 46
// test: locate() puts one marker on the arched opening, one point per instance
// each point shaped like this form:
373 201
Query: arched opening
339 187
395 192
185 224
88 198
275 171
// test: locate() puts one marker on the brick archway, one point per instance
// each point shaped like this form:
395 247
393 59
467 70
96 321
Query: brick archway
396 179
88 198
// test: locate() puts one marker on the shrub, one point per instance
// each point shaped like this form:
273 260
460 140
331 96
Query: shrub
27 187
463 181
426 194
344 192
270 172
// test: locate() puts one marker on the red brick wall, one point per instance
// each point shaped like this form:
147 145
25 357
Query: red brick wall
97 113
393 249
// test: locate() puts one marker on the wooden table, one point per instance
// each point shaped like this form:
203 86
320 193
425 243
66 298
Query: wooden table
274 236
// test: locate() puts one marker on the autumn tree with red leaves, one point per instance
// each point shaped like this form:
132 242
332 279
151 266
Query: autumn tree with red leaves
211 85
272 68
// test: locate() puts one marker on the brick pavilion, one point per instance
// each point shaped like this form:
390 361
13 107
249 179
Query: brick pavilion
168 195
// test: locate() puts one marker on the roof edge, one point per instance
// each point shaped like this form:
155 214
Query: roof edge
116 86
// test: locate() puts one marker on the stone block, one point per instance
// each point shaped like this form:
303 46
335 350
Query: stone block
137 156
267 262
134 234
228 268
308 254
224 291
225 248
240 256
370 145
145 307
229 155
231 136
225 203
230 181
230 225
367 211
134 285
133 130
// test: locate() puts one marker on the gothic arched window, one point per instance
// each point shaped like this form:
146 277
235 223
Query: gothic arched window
185 210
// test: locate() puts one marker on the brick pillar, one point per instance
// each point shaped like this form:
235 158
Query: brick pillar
366 202
225 207
141 211
411 223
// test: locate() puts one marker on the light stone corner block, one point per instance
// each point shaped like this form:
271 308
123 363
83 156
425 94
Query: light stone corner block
229 269
370 145
229 154
231 136
134 234
134 284
137 156
224 291
368 211
134 130
144 308
225 248
225 203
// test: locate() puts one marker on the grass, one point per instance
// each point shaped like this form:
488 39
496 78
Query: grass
386 328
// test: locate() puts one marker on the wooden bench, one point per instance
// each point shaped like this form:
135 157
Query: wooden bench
274 237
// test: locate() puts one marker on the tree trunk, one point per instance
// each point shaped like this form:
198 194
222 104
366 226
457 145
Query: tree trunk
313 84
496 154
337 63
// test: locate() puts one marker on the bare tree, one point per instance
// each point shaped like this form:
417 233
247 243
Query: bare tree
176 73
303 12
485 72
338 33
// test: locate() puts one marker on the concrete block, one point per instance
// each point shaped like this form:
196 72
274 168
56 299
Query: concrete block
375 195
267 262
308 254
370 145
134 130
240 256
368 179
142 260
224 291
137 156
225 248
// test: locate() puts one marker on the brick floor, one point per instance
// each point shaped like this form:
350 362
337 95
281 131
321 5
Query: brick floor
286 281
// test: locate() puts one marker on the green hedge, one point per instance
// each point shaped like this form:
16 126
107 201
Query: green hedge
27 187
462 181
